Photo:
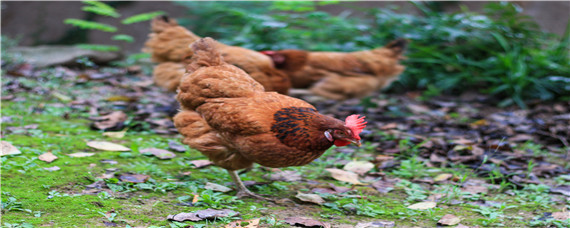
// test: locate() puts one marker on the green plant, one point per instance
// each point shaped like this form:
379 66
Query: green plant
500 51
217 200
493 215
103 9
411 168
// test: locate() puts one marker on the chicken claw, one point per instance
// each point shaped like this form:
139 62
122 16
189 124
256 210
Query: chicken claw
242 191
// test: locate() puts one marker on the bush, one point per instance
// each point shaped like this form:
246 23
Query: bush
500 52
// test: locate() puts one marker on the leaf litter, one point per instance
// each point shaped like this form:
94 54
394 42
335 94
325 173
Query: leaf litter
453 130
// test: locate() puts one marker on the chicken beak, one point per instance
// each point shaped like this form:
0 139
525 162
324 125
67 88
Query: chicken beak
355 142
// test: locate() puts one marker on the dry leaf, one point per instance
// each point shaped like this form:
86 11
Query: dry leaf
176 147
159 153
561 215
202 214
55 168
81 154
449 220
8 149
201 163
389 126
423 205
376 224
359 167
308 222
312 198
108 146
217 187
47 157
475 189
288 176
251 223
383 186
442 177
116 134
134 178
345 176
112 120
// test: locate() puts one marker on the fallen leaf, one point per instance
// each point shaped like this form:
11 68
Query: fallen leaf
562 189
81 154
382 158
442 177
201 163
251 223
312 198
376 224
120 98
345 176
449 220
475 189
107 146
561 215
308 222
389 126
323 190
116 134
288 176
359 167
202 214
418 109
383 186
423 205
134 178
8 149
113 120
217 187
176 147
61 97
47 157
55 168
521 138
109 161
463 141
478 123
159 153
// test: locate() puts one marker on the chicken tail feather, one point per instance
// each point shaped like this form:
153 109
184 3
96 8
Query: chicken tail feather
398 45
205 54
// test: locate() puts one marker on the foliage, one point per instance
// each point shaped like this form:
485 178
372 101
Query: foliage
100 8
500 52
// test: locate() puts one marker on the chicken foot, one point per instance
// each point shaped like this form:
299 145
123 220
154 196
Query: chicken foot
242 191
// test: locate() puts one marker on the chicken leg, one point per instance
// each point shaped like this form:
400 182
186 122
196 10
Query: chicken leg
242 191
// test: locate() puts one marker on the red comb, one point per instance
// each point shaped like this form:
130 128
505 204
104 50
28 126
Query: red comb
268 52
356 123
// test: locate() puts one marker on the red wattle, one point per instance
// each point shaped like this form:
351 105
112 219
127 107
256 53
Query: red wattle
341 143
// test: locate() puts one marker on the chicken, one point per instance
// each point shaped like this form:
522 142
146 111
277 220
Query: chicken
169 45
338 75
228 116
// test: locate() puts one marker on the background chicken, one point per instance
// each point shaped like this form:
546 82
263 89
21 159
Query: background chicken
169 45
338 75
229 117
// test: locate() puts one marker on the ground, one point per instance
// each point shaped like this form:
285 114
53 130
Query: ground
487 166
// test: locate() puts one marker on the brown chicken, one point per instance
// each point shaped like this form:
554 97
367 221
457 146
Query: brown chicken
339 75
229 117
169 45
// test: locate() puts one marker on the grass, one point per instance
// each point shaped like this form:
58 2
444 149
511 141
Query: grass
33 196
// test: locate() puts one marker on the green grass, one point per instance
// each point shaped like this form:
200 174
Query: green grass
32 195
